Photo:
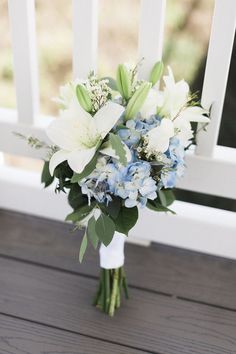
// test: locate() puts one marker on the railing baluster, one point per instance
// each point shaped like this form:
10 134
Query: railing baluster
217 69
22 22
85 23
151 33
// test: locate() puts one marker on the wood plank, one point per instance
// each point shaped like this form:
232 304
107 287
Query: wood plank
147 321
21 337
164 269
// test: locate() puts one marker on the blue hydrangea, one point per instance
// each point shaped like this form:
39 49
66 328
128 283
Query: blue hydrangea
175 164
135 129
132 183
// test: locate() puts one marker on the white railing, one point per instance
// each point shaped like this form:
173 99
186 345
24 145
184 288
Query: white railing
211 168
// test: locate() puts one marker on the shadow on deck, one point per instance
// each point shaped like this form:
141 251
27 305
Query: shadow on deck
181 302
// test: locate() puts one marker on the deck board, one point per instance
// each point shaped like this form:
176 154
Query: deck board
21 337
148 321
163 269
181 302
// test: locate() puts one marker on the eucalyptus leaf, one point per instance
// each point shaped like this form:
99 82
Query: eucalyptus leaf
91 232
105 229
113 207
156 206
126 219
75 197
118 146
81 213
83 247
46 177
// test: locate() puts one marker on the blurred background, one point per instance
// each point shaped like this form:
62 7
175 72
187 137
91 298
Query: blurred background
185 46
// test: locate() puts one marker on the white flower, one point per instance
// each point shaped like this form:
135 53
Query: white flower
182 122
175 96
154 99
78 134
159 138
67 94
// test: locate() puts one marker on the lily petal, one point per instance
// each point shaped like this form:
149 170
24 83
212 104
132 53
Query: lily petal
75 111
56 159
107 116
194 114
64 133
78 159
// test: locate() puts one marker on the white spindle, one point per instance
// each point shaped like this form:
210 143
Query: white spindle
85 23
22 22
151 34
217 69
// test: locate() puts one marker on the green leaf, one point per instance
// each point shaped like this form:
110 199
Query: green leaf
156 206
105 229
46 177
166 197
118 146
91 232
126 219
77 177
75 198
113 207
81 213
83 247
111 83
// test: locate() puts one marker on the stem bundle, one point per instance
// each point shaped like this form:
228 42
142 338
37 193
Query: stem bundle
111 283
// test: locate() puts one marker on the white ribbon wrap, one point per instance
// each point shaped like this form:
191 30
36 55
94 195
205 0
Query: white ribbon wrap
112 256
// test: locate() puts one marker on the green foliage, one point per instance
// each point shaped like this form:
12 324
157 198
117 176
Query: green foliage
156 72
83 247
77 177
75 198
118 146
105 229
63 173
84 97
126 219
46 177
113 207
123 81
137 100
80 213
91 232
164 199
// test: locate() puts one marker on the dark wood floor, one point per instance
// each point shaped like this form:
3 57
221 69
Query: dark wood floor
181 302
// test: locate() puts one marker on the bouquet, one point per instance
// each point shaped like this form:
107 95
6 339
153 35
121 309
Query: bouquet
118 146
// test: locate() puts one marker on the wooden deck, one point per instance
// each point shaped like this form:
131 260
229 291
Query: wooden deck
181 302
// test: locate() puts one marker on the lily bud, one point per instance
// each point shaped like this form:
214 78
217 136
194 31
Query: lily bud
156 72
137 100
123 81
84 98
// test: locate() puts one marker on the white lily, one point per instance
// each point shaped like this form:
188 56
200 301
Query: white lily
154 99
182 122
159 138
175 96
78 134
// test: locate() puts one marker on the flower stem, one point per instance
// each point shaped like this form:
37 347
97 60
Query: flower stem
111 284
